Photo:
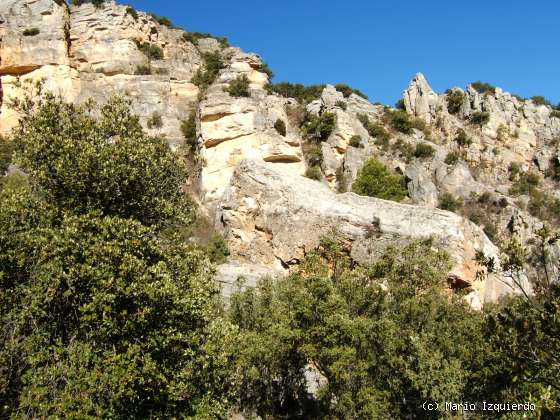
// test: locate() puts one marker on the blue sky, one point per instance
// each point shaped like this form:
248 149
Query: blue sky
378 46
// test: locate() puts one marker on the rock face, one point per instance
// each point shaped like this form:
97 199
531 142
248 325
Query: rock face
271 218
86 52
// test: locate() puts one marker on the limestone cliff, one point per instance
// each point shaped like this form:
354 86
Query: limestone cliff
248 171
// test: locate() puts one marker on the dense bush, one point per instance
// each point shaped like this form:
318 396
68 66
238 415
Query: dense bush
400 105
480 118
103 174
155 121
143 70
347 90
31 32
162 20
355 141
132 12
424 150
462 139
314 172
404 149
341 104
375 130
193 38
375 180
188 128
555 114
152 51
482 87
207 74
525 183
455 99
264 68
544 206
448 202
540 100
318 127
452 158
239 87
6 152
303 94
100 316
280 127
401 121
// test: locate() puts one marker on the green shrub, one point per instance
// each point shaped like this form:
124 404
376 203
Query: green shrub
480 118
555 114
481 87
264 68
347 90
280 127
152 51
207 74
155 121
423 151
188 128
318 128
355 141
455 99
491 231
98 3
313 153
314 172
448 202
162 20
143 70
375 130
341 104
462 139
375 180
217 250
404 148
303 94
30 32
544 206
6 153
452 158
400 105
239 87
540 100
132 12
514 170
399 120
527 182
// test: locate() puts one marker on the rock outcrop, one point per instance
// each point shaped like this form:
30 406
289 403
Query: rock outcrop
272 218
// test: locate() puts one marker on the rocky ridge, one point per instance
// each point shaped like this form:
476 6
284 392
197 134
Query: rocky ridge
249 173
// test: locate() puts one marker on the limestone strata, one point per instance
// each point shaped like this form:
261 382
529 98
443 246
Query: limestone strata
272 217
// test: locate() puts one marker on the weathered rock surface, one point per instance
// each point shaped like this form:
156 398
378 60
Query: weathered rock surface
272 217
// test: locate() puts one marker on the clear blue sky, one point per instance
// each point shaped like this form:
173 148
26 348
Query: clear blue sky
378 46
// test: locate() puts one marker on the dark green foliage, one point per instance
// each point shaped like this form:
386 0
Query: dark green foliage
162 20
400 105
217 250
239 87
448 202
375 180
313 153
555 114
314 172
386 337
341 104
452 158
541 100
30 32
98 3
544 206
356 141
491 231
462 139
152 51
206 75
193 38
402 122
132 12
155 121
74 160
303 94
482 87
404 149
423 151
100 316
375 130
526 182
188 128
280 127
264 68
480 118
455 99
514 170
318 127
143 70
347 90
6 152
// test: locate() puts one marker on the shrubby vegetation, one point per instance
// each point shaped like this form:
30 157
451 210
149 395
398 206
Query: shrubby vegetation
452 158
143 70
31 32
239 87
188 128
375 180
303 94
193 38
462 139
152 51
482 87
402 122
318 127
424 151
480 118
347 91
455 99
448 201
155 121
280 127
375 130
6 152
314 172
355 141
206 74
